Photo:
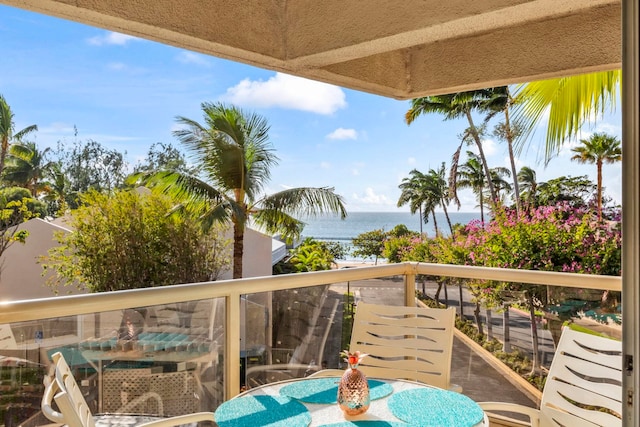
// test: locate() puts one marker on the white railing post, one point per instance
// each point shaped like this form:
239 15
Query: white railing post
410 285
232 345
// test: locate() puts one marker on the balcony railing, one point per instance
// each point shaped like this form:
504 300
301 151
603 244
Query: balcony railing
182 342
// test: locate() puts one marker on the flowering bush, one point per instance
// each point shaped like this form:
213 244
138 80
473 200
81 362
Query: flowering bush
550 238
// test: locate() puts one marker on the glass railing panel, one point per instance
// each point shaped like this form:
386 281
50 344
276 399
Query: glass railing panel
159 360
506 323
303 328
294 333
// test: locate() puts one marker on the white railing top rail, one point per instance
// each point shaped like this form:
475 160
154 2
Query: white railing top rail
61 306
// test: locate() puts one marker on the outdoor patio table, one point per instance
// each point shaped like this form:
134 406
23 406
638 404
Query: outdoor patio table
312 402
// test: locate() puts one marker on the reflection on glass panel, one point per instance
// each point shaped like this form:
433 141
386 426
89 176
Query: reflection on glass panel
161 360
305 329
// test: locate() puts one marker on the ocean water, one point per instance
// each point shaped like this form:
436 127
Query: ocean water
331 228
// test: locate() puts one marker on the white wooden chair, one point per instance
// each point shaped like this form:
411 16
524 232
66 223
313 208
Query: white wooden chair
412 343
583 387
74 411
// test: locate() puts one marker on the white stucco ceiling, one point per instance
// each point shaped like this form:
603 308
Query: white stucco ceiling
402 49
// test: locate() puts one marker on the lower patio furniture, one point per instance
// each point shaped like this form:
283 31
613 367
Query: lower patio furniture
73 410
412 343
312 402
583 387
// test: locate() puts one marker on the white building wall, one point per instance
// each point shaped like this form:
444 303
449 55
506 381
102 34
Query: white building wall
20 272
256 260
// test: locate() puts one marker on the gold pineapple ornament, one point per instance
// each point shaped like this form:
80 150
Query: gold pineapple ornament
353 390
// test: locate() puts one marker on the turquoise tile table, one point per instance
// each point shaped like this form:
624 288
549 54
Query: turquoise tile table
311 402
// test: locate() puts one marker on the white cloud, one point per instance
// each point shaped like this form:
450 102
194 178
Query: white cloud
610 128
57 128
342 133
489 146
116 66
355 172
186 57
519 163
325 165
411 161
288 92
371 198
111 38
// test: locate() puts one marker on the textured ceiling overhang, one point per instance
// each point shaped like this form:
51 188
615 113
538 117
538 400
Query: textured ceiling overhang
400 48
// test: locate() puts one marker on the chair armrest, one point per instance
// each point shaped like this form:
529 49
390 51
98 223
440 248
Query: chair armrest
181 419
49 392
532 413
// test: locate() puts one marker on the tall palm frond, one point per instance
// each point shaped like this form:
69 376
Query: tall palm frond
571 101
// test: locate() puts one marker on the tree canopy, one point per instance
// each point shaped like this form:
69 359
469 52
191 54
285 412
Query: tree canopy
126 240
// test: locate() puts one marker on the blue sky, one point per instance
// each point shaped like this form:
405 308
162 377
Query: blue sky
125 93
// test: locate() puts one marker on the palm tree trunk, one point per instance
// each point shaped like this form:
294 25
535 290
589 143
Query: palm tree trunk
534 337
421 220
238 248
506 346
446 215
512 160
481 199
446 296
599 195
476 313
435 222
3 153
485 165
437 294
489 325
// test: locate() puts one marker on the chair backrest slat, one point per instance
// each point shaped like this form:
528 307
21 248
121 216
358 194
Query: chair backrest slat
68 396
412 343
584 384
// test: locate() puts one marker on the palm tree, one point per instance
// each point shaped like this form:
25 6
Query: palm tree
7 131
453 106
440 190
27 167
413 193
233 151
502 186
571 101
471 175
502 101
528 185
599 148
60 194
